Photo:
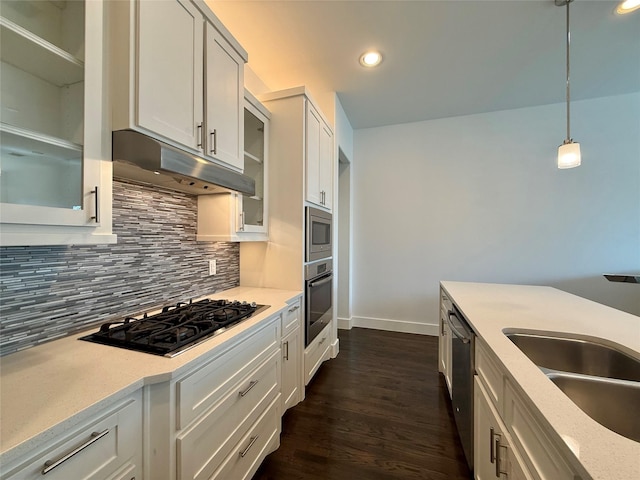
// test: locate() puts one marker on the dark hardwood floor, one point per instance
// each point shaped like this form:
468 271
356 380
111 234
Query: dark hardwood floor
377 411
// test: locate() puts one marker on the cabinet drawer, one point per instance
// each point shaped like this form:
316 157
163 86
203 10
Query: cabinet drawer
316 353
209 384
202 448
490 374
545 461
249 452
291 318
108 445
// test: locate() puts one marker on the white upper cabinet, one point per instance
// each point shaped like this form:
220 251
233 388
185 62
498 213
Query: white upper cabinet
170 70
224 91
178 76
326 166
312 146
55 159
319 159
235 217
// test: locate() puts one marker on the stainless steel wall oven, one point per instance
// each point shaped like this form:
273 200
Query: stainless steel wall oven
319 297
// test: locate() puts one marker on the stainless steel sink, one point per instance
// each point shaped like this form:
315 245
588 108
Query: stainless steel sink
612 404
577 356
602 381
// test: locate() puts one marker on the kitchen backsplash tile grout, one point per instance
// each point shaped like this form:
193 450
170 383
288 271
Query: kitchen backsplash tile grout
52 291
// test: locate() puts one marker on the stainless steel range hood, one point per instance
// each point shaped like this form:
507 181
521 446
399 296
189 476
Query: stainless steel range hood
139 157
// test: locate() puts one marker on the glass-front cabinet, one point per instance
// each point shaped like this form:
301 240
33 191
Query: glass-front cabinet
54 156
235 217
253 208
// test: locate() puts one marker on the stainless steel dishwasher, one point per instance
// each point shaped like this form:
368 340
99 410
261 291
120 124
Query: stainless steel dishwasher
463 367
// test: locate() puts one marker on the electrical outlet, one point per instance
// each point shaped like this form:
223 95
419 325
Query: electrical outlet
212 267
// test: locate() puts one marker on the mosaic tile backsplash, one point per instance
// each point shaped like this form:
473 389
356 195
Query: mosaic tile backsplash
49 292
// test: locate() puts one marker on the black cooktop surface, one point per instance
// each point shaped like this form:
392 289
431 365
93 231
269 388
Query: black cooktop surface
176 328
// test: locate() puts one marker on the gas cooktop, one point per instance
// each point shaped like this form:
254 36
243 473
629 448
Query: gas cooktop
176 328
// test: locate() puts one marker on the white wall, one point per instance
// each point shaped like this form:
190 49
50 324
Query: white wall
342 214
479 198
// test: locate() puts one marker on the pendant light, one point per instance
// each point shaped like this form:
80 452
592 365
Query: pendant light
569 151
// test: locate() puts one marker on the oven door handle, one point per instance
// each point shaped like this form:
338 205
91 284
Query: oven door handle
454 329
327 279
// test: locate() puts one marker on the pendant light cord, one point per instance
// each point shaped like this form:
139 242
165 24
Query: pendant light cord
568 85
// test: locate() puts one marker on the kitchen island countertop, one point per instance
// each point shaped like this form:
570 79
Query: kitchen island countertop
490 308
44 390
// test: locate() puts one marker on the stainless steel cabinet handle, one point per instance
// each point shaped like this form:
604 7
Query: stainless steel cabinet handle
214 141
246 390
242 221
252 440
200 133
294 308
51 464
96 217
322 341
498 457
492 452
321 282
286 355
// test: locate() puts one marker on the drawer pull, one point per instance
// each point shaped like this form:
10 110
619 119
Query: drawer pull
51 464
492 454
322 341
246 390
286 355
294 308
252 440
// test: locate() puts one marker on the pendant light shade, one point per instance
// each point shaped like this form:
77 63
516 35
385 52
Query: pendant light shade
569 155
568 152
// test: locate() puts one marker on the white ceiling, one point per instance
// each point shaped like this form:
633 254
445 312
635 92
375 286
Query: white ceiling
441 58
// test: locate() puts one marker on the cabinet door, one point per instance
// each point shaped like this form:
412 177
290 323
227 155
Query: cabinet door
326 166
312 153
253 209
52 130
291 363
494 455
224 93
170 70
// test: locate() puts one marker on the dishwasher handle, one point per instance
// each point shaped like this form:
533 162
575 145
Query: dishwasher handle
456 331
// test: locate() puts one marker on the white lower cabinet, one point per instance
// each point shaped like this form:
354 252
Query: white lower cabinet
222 416
494 453
318 351
107 446
292 384
505 428
258 442
444 344
213 438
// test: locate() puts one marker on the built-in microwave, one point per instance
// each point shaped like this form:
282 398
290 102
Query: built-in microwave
318 238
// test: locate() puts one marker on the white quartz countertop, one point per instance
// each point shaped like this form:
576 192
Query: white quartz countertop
490 308
46 389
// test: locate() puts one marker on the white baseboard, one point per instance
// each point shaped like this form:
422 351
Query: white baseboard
335 348
401 326
345 323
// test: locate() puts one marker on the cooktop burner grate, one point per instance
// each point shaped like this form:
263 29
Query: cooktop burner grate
176 328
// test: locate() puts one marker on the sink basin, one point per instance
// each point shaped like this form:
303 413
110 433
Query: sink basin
602 381
577 356
612 404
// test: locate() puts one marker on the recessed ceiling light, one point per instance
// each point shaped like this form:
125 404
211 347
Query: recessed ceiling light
628 6
370 59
